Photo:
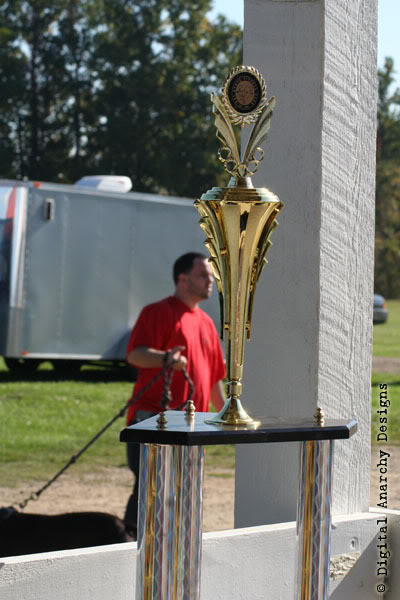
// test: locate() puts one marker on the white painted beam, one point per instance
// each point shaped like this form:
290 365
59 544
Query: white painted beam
312 323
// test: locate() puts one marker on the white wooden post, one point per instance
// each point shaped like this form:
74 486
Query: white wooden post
312 323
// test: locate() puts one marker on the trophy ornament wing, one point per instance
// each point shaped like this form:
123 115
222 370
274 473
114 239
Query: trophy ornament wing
225 132
260 132
215 244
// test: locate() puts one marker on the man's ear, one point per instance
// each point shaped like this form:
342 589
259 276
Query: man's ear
182 278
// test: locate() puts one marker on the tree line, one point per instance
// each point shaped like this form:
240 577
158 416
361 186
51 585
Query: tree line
387 222
122 87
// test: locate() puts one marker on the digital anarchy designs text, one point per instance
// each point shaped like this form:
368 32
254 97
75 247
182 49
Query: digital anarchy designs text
383 555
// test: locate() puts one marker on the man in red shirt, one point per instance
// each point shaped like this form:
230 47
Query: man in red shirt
178 325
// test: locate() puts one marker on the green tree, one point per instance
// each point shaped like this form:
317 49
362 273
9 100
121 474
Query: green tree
387 227
76 29
13 65
158 62
113 87
32 61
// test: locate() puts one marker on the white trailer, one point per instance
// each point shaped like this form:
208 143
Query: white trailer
77 264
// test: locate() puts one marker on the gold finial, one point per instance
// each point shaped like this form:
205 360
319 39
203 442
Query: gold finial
162 421
190 409
319 416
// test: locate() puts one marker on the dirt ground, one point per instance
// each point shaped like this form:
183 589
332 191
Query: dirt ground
383 364
108 491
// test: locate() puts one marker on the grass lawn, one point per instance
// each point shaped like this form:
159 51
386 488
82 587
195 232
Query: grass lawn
45 420
387 335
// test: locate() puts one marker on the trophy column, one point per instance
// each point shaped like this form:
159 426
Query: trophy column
169 522
314 519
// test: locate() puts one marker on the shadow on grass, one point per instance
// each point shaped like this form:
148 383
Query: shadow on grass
85 375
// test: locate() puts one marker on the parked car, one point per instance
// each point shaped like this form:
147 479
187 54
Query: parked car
380 310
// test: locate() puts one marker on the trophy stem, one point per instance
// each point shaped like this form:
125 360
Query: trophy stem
233 412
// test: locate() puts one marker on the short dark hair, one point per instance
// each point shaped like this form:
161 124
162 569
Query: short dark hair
184 264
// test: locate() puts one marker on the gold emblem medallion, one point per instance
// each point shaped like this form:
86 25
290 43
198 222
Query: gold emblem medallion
244 95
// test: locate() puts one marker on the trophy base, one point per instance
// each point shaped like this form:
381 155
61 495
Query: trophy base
233 414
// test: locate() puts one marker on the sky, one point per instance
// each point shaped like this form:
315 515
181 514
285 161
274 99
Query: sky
388 27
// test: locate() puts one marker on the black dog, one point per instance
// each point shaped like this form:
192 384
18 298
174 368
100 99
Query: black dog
22 533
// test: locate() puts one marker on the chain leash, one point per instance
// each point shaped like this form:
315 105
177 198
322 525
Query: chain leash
166 373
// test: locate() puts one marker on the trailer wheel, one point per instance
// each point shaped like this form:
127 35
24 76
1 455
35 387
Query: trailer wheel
67 367
22 365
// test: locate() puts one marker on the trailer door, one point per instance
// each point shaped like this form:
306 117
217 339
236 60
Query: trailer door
12 240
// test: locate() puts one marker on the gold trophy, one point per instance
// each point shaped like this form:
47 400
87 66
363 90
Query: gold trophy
238 221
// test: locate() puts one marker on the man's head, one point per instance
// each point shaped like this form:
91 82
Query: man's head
193 277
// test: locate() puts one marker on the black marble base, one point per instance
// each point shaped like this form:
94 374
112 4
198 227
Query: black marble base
182 432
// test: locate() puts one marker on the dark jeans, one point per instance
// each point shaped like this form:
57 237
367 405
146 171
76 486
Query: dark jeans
133 456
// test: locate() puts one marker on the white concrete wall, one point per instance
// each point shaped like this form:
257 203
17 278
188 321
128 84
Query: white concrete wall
312 324
105 572
254 563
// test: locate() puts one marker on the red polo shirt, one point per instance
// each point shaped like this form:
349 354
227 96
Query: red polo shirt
164 325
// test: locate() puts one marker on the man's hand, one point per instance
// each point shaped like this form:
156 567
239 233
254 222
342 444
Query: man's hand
150 358
176 360
217 396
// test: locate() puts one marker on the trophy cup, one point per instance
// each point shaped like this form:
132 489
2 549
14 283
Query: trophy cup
238 221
